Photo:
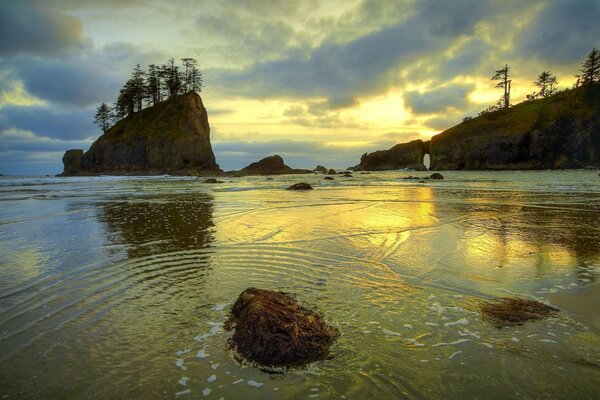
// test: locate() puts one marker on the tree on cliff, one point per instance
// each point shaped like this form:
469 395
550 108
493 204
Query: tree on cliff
590 68
172 78
125 104
153 85
103 116
546 82
138 83
502 76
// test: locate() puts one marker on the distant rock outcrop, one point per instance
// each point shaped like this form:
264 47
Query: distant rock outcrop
404 155
272 165
320 168
172 137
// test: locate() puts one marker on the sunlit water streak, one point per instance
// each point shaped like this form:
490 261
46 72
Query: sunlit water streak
117 287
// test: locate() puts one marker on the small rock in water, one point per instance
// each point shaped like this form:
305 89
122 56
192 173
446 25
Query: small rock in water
300 186
212 180
329 178
436 175
332 172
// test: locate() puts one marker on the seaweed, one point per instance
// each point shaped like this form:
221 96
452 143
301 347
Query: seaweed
512 311
271 329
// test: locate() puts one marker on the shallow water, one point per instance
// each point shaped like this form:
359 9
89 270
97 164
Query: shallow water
117 287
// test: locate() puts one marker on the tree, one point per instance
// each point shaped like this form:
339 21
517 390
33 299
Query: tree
196 79
103 117
502 76
590 68
172 78
138 83
546 82
153 86
126 101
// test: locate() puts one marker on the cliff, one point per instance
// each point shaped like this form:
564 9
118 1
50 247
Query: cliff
404 155
171 137
272 165
561 131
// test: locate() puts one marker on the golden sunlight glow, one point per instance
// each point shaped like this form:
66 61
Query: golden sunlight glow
18 96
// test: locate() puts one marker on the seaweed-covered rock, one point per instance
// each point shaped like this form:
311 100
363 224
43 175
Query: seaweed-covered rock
509 311
300 186
272 330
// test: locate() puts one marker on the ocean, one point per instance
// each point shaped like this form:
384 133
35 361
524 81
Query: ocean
118 287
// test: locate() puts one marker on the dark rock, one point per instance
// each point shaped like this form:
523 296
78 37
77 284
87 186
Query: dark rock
508 311
272 165
436 175
332 172
320 168
410 177
172 137
269 179
421 181
272 330
346 175
212 180
300 186
329 178
72 162
404 155
365 173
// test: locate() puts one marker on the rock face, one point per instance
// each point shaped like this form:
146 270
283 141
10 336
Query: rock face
561 131
272 165
171 137
404 155
72 162
320 168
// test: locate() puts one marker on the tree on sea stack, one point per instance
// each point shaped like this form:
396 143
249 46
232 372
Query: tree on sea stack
103 116
590 68
502 76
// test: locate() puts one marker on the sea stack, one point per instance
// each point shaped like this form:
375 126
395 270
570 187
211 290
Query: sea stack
172 137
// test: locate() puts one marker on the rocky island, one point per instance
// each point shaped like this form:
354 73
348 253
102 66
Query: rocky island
171 137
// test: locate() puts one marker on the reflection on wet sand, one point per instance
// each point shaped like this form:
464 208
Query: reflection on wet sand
155 225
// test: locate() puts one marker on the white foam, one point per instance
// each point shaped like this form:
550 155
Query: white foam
182 352
183 392
454 354
202 353
409 326
179 363
218 307
415 342
459 341
183 381
391 333
214 366
206 391
462 321
211 379
254 383
238 381
516 340
547 340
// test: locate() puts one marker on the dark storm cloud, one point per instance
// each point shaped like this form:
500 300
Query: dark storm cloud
57 123
363 65
37 29
562 32
437 100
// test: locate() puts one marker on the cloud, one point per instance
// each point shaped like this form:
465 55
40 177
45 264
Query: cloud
51 122
365 65
36 29
438 100
562 32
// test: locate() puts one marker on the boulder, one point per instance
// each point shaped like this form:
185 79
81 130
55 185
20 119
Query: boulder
436 175
212 180
403 155
272 165
320 168
299 186
271 329
329 178
332 172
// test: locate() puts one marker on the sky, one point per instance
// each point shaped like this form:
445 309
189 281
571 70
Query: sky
315 81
